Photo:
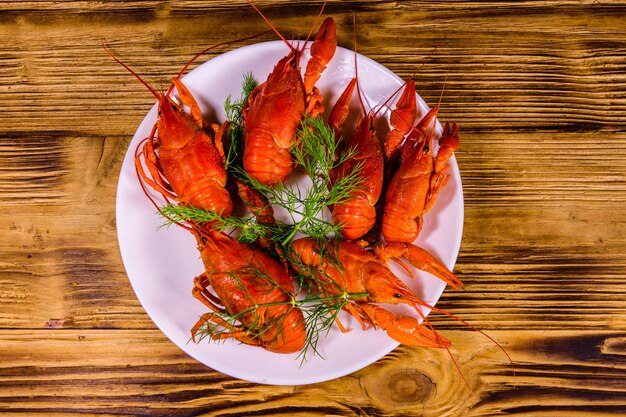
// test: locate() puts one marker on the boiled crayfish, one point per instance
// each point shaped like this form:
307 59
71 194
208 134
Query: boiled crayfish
414 187
357 214
252 287
184 156
276 107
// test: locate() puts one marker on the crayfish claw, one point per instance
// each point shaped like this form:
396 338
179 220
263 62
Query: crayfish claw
420 259
405 329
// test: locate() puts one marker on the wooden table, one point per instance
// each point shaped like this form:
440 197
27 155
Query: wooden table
539 91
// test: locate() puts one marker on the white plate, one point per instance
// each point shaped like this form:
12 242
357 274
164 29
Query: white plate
161 264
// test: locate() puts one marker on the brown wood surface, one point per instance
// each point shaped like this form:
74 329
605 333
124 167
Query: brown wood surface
539 91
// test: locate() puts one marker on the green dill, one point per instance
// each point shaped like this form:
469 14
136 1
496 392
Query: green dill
318 296
234 114
248 227
317 154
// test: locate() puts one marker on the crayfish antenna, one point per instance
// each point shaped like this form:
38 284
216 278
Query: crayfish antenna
356 67
443 87
458 368
314 24
427 323
385 104
471 326
254 6
204 51
129 69
358 86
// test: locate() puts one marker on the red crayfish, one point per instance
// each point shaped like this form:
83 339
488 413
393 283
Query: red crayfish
276 107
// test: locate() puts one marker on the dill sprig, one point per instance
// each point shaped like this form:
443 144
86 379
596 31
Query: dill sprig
248 227
317 154
234 114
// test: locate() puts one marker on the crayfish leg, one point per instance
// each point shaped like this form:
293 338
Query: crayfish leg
358 314
437 182
157 182
342 328
230 331
206 320
201 292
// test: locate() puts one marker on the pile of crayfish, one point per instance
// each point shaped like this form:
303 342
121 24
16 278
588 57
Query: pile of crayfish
184 160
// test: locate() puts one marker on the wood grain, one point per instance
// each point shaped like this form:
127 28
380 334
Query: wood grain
539 91
141 373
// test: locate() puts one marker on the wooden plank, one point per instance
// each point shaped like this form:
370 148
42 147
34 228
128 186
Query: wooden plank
63 371
60 169
539 75
543 169
60 264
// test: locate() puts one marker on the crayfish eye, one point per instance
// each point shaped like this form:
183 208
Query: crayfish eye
397 295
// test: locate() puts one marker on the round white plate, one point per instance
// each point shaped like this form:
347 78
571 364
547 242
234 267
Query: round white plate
161 264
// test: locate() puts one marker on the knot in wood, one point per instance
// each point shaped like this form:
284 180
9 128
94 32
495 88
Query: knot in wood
400 387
